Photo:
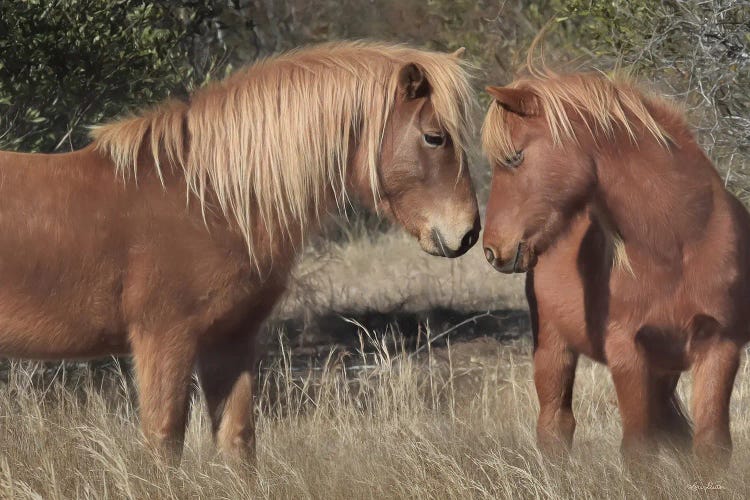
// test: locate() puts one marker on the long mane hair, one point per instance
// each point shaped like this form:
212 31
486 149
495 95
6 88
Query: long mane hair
272 141
606 103
603 102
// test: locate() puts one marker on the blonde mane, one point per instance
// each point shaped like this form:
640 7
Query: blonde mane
272 141
605 103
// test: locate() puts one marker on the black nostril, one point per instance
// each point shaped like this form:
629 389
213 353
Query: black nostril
472 235
489 254
468 240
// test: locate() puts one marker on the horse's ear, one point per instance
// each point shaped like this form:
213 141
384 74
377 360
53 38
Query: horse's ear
520 101
459 52
412 81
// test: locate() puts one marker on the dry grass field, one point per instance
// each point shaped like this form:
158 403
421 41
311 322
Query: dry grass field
455 421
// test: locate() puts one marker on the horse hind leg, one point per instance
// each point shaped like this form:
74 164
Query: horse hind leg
672 425
227 374
635 399
665 355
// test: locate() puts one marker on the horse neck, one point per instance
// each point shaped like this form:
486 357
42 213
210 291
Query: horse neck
658 199
357 180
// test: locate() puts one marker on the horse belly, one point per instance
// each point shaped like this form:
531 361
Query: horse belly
78 324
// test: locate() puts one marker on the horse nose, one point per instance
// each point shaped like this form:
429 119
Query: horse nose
505 265
490 254
495 260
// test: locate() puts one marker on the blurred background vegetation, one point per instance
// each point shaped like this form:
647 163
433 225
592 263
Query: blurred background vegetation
68 64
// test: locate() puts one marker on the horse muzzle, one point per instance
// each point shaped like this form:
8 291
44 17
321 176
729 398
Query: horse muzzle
520 261
442 248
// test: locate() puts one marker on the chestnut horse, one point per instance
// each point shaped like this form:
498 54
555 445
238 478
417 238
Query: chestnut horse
637 256
172 235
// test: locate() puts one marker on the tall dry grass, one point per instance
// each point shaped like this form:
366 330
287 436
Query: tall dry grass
451 423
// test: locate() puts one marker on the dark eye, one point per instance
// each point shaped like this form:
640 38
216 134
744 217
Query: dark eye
434 140
514 160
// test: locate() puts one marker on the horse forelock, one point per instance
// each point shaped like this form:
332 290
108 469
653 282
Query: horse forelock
604 103
272 140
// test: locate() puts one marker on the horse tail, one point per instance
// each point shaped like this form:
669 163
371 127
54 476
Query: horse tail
680 427
673 426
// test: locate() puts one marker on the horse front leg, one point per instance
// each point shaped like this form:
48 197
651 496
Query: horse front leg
226 370
163 365
635 398
714 369
554 377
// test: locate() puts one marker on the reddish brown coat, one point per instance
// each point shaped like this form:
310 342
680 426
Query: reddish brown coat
638 257
96 260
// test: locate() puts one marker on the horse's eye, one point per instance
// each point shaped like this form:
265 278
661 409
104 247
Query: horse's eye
434 140
514 160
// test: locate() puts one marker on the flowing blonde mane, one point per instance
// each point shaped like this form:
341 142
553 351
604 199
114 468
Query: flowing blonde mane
272 141
605 103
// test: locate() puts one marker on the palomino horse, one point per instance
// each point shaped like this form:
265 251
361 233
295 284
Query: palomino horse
640 257
172 235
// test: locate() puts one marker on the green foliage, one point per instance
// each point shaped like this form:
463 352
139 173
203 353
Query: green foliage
614 26
66 64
